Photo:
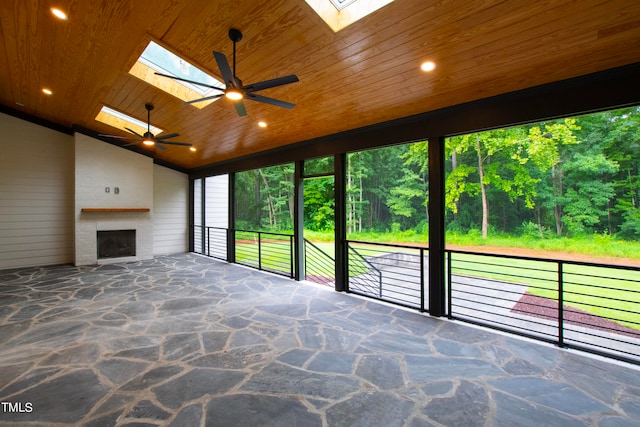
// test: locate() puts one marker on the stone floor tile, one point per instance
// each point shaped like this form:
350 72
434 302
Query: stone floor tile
185 340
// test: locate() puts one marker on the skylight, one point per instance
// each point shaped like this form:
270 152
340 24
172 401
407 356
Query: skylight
341 4
339 14
120 120
155 58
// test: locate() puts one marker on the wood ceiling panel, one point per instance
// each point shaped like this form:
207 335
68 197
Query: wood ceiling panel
362 75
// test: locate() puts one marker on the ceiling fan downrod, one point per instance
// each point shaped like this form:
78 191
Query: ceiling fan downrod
235 35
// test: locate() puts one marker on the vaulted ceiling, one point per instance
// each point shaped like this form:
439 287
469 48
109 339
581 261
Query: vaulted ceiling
367 73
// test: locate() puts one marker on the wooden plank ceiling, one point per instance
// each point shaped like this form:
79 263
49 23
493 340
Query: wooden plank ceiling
362 75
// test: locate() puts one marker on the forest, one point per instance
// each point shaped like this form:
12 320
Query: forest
564 178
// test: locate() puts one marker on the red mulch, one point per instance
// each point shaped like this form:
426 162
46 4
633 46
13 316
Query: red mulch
546 308
323 280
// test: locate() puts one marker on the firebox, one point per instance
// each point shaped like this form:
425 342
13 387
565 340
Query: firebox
116 243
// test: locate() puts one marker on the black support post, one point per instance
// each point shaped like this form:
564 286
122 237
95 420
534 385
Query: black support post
192 227
339 165
298 221
437 286
203 215
231 237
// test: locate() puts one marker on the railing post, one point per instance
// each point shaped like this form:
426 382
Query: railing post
259 250
421 279
560 304
291 251
449 315
208 241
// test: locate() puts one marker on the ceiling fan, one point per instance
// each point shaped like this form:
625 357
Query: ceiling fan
234 89
148 138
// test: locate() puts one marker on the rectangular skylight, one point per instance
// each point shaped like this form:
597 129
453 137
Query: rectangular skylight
341 4
120 120
339 14
156 58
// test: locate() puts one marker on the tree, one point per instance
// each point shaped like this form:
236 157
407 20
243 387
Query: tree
499 164
546 150
410 195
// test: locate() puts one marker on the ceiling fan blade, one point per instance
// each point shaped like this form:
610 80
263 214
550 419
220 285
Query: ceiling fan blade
225 70
171 135
271 83
160 146
272 101
130 144
242 111
189 81
134 132
184 144
116 136
206 98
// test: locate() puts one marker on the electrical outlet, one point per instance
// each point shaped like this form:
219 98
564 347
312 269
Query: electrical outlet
107 189
116 190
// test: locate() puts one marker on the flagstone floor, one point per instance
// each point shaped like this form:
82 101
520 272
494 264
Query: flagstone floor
185 340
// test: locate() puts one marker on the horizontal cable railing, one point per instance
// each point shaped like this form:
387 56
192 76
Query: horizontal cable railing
265 251
594 307
210 241
216 242
319 266
389 272
197 240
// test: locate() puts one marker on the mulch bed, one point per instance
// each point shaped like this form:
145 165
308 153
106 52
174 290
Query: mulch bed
546 308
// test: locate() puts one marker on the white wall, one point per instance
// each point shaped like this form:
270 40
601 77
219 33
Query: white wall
36 194
170 211
217 214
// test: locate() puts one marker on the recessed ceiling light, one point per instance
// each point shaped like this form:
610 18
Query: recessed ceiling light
428 66
192 148
58 13
47 91
262 124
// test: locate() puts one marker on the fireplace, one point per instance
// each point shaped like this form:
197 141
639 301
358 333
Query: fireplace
116 243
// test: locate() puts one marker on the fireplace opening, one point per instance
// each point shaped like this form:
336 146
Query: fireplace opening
116 243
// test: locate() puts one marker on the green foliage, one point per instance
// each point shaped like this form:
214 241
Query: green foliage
575 177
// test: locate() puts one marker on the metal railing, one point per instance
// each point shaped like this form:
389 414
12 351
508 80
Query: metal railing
590 306
267 251
212 241
389 272
319 266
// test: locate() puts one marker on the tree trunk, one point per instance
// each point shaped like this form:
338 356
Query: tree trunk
556 176
360 206
483 191
539 218
270 208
